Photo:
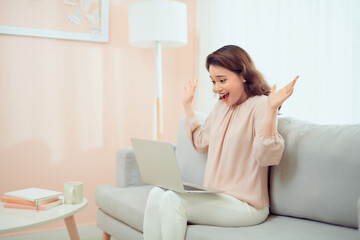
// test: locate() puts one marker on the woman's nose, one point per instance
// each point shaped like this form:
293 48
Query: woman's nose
216 88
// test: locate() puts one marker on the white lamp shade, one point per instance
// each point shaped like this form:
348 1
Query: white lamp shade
154 21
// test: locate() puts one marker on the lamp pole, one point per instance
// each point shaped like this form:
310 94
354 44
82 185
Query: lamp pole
159 94
158 24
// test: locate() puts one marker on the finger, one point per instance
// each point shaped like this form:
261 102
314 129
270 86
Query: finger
292 84
195 82
290 92
294 81
289 85
273 89
190 84
193 85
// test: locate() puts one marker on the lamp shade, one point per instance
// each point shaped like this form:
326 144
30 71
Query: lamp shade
162 21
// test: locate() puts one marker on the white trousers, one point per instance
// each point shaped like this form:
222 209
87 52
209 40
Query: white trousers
167 213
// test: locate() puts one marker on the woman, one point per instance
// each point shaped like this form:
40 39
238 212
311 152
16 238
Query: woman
241 139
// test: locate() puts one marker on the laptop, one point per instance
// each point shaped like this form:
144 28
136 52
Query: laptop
158 166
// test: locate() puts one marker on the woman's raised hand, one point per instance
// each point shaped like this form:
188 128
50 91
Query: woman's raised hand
190 90
276 99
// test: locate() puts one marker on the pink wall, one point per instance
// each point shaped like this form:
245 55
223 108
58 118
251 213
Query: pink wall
67 106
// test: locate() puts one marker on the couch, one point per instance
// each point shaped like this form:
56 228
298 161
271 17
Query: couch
314 191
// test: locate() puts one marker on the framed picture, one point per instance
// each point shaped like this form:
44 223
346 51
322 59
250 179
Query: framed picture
83 20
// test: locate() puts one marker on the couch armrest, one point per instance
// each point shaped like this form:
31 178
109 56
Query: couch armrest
127 171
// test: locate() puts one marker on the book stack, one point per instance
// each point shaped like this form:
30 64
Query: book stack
31 198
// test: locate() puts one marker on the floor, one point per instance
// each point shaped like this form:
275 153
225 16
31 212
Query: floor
85 233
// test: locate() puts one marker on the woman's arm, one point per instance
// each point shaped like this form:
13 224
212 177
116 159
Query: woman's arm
193 128
190 90
275 100
270 127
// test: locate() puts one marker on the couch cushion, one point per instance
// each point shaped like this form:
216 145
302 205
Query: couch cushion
191 163
128 205
318 176
115 228
125 204
276 228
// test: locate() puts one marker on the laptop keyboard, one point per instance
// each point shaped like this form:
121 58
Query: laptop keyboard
189 188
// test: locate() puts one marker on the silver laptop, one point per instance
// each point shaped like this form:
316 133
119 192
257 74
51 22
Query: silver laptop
158 166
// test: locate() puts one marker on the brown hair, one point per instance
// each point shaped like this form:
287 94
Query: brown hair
237 60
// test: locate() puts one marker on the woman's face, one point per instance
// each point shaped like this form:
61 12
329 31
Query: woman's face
228 85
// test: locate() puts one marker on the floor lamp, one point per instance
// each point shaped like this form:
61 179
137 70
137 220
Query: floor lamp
158 24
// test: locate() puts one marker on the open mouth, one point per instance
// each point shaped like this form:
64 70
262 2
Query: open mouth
224 97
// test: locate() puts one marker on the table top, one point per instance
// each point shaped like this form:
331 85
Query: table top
12 219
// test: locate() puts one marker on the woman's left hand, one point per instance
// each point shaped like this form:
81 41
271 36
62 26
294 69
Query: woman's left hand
276 99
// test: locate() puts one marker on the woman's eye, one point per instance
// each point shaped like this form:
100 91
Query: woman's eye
213 82
223 80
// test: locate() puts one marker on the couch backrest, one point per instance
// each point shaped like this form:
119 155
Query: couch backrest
318 177
319 174
191 163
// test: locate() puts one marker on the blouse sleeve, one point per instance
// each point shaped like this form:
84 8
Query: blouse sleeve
267 150
198 134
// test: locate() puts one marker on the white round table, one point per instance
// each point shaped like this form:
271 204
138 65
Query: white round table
12 219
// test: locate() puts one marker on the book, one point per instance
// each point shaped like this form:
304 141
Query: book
33 194
39 207
8 199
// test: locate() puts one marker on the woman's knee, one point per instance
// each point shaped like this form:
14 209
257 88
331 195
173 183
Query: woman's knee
170 202
154 197
156 192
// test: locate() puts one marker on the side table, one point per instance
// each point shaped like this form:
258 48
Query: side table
18 219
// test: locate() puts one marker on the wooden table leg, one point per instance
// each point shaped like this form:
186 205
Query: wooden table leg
105 236
71 227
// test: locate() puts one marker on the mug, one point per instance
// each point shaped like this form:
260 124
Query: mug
73 192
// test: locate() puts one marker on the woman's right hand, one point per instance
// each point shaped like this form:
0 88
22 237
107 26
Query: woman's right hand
190 90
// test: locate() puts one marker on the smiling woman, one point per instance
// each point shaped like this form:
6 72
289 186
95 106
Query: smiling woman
231 68
239 63
228 84
244 116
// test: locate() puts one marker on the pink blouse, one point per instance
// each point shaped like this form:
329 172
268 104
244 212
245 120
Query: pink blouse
238 152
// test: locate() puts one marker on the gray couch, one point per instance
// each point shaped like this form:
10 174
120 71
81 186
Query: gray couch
314 191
